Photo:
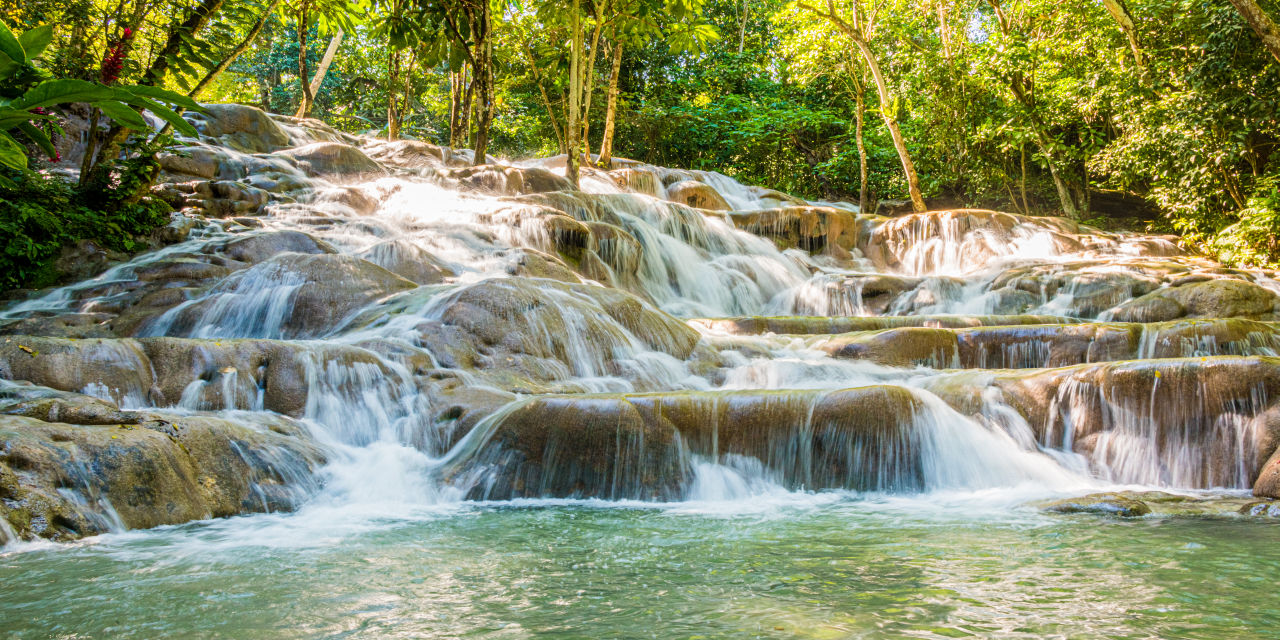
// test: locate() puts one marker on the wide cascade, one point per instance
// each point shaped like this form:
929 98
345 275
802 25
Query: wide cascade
347 321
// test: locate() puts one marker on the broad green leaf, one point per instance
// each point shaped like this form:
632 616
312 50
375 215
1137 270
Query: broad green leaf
7 66
10 46
166 96
51 92
123 114
35 41
11 153
37 136
166 114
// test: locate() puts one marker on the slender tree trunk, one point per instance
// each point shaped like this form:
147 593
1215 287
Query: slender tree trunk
573 127
115 136
742 27
189 27
393 103
1059 183
460 108
468 97
863 173
1120 12
891 121
589 81
1026 204
1261 23
484 77
309 94
1043 141
887 110
611 110
1038 128
304 70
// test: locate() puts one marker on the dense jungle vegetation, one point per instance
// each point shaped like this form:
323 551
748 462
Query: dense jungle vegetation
1099 109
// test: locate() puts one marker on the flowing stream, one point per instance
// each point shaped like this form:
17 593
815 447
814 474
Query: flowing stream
479 404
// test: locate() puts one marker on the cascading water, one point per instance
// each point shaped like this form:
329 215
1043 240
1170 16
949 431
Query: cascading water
418 320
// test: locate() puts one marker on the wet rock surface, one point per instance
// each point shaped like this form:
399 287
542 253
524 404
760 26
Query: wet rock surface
658 334
1160 504
73 466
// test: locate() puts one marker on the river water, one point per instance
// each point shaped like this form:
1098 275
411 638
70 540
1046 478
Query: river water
782 565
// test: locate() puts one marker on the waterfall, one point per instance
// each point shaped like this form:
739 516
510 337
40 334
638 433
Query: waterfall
445 333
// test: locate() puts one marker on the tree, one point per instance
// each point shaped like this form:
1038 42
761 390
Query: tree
860 28
461 31
322 16
1261 23
1022 86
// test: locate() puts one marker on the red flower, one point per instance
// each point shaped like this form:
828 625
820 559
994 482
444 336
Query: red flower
113 61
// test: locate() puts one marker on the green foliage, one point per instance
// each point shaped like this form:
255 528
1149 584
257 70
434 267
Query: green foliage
1255 239
40 214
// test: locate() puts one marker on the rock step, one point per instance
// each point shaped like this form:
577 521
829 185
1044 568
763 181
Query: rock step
74 466
1037 346
1129 421
811 325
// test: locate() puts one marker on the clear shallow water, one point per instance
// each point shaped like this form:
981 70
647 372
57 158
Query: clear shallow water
797 566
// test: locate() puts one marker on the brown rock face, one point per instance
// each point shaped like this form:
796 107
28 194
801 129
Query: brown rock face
637 446
115 469
814 229
1216 298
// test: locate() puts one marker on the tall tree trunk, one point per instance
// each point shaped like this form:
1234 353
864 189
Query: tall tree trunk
194 23
460 109
1059 183
304 70
1261 23
1120 12
93 165
891 121
1045 143
309 94
742 27
573 127
393 103
589 81
863 173
611 110
1017 85
484 78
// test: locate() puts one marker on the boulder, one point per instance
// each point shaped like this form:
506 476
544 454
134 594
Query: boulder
1215 298
697 195
407 260
323 158
637 445
260 247
62 480
406 154
241 127
1107 504
501 180
812 229
290 295
545 330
